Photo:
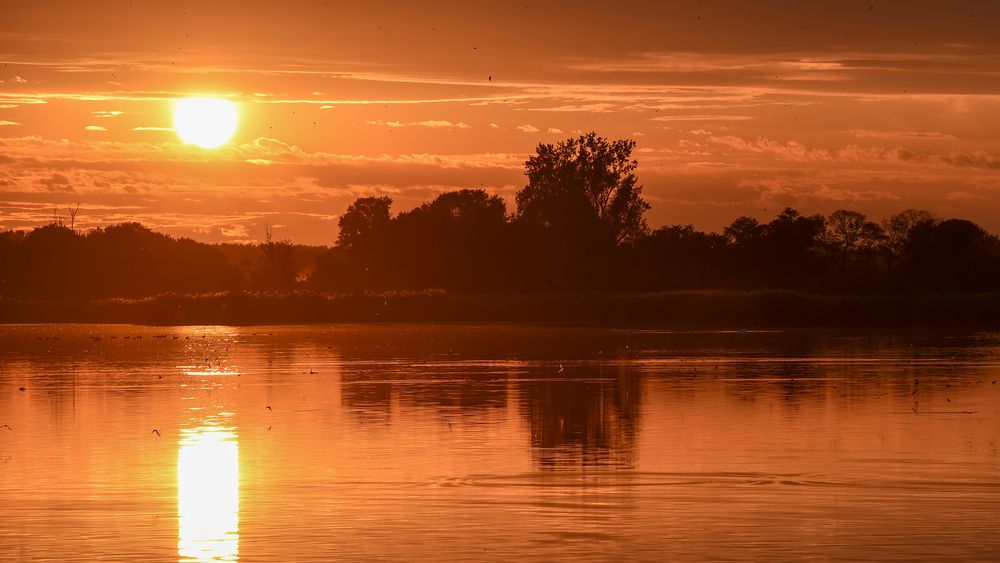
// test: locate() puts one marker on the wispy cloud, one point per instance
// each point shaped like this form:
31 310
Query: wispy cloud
431 123
870 134
440 123
95 128
56 183
527 128
704 117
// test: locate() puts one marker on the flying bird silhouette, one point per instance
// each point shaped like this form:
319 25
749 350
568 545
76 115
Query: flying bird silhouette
155 431
6 426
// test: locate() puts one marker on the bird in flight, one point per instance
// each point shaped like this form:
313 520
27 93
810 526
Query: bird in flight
155 431
268 407
7 426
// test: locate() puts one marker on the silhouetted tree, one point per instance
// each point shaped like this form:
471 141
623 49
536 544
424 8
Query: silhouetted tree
744 232
582 201
130 260
952 255
792 249
126 260
454 242
360 257
585 182
783 253
51 262
73 211
847 233
897 230
678 257
367 215
276 270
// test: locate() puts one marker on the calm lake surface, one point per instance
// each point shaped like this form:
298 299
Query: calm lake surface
405 442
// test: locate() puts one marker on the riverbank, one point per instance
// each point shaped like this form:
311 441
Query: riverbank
732 309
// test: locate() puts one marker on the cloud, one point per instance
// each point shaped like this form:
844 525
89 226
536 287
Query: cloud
869 134
555 130
152 128
597 107
976 159
235 231
527 128
494 126
973 159
443 123
19 80
112 113
56 183
704 117
789 150
2 123
95 128
431 123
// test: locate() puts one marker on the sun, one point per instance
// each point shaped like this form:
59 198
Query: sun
205 122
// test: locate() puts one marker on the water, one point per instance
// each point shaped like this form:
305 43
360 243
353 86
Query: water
403 443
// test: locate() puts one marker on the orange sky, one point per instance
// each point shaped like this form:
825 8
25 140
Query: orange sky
737 108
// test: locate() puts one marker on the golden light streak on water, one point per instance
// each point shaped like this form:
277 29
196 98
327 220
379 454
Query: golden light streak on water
208 478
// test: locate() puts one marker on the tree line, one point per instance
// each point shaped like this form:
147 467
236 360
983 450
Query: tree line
578 225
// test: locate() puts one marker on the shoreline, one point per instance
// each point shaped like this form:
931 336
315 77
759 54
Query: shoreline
681 309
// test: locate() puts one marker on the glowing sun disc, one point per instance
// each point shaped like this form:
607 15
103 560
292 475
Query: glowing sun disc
205 122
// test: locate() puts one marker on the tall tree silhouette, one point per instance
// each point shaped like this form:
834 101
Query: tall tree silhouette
363 218
581 202
585 182
848 232
897 231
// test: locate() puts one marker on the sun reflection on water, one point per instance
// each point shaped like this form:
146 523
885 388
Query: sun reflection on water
208 495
